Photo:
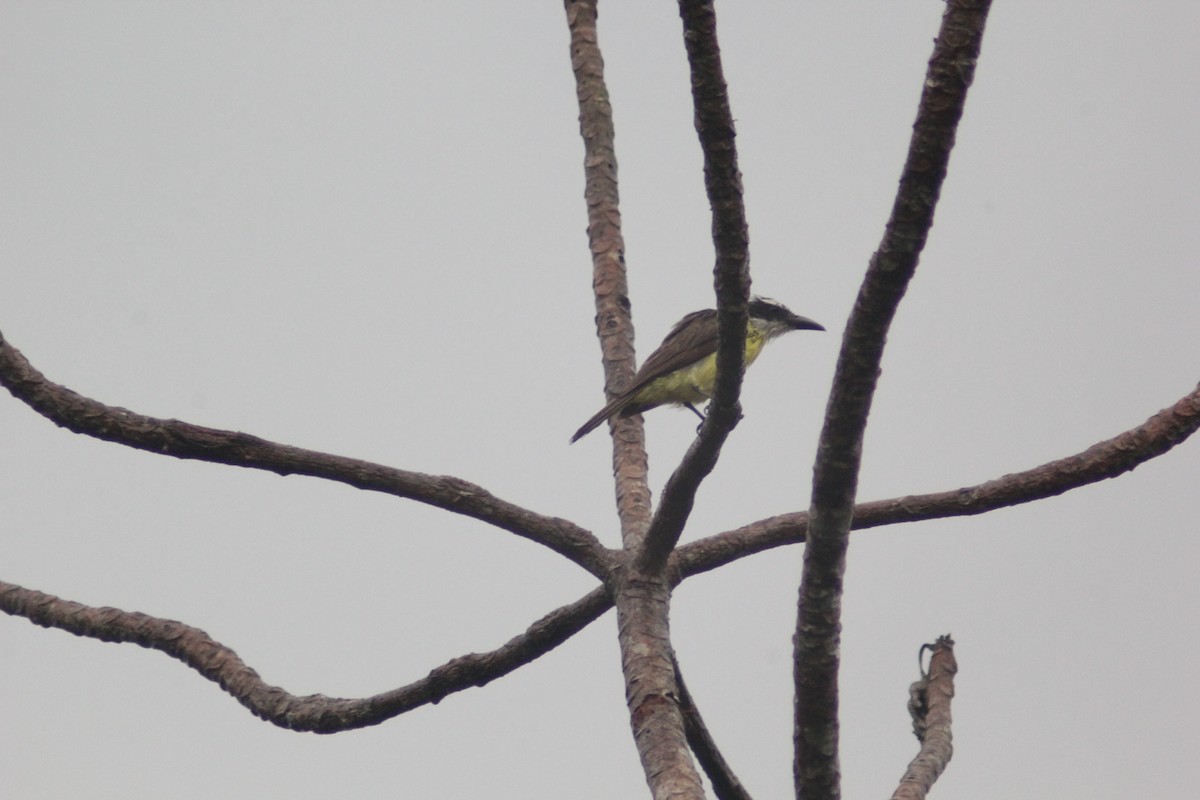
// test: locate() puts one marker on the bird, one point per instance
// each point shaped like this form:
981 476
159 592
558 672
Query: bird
683 370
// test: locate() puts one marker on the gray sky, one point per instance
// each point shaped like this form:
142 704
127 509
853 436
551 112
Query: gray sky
359 228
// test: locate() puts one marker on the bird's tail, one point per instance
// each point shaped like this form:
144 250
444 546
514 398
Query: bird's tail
613 407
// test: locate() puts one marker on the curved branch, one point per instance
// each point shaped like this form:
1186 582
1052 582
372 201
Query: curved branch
839 451
725 783
171 437
1103 460
1106 459
614 324
314 713
731 239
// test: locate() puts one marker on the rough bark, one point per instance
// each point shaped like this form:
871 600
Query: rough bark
929 705
614 323
839 451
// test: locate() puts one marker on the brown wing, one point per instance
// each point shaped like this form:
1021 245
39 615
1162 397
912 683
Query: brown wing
692 338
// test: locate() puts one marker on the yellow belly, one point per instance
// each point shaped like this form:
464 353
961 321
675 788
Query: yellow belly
694 384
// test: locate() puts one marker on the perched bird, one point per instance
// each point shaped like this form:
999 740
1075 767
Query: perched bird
683 370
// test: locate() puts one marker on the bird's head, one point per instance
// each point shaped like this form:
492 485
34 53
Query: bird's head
773 318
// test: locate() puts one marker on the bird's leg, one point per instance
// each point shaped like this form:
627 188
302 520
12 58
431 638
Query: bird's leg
698 414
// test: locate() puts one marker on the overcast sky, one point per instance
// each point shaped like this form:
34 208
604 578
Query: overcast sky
359 228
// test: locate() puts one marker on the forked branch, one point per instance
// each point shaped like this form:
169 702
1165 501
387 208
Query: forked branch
642 597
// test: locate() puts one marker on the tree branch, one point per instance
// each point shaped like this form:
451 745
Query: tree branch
1107 459
839 452
642 592
614 324
1103 460
725 783
643 631
314 713
929 704
171 437
731 274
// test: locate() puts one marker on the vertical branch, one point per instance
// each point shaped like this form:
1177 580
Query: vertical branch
723 182
643 605
643 595
614 325
839 452
643 591
929 705
642 599
731 276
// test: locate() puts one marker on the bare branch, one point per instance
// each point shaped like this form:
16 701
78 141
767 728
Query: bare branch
731 239
1101 461
725 783
839 452
172 437
614 324
643 602
643 590
642 597
314 713
929 705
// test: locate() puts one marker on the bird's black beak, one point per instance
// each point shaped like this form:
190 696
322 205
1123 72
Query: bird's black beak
799 323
